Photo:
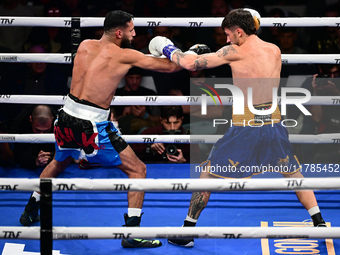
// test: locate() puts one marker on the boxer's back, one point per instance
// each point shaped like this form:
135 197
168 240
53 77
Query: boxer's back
97 71
259 67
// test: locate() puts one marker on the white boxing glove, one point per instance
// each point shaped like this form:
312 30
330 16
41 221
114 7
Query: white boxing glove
160 45
256 17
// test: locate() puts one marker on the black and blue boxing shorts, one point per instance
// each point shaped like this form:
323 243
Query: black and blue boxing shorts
84 126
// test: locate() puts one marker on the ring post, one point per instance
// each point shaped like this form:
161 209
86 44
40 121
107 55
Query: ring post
75 36
46 238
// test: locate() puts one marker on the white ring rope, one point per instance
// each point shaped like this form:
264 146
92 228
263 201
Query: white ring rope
65 58
61 58
153 100
177 139
129 184
169 21
63 233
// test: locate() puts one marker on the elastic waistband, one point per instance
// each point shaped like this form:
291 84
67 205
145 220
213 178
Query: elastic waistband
251 119
84 111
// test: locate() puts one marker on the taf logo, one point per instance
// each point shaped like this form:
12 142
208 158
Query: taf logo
67 58
195 24
11 234
65 186
67 22
6 21
279 24
153 23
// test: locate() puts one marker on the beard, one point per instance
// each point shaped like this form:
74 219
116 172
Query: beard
126 43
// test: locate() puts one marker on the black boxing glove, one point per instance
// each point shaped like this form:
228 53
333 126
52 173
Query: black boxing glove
198 49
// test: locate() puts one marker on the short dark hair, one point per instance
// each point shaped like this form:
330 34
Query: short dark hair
239 18
135 71
116 19
326 68
171 110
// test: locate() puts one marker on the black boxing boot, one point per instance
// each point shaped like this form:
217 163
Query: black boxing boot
31 212
318 220
134 221
188 243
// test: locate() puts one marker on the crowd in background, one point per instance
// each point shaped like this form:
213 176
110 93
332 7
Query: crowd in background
55 79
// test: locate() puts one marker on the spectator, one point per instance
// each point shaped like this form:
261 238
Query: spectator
133 118
193 114
219 8
39 78
129 6
113 115
215 38
325 38
171 123
52 39
154 8
36 121
141 40
220 39
32 79
185 108
12 38
168 33
208 35
315 8
201 124
184 8
325 118
99 10
75 8
271 34
287 41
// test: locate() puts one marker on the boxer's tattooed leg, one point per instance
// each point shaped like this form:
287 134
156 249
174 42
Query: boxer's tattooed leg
200 63
198 202
225 51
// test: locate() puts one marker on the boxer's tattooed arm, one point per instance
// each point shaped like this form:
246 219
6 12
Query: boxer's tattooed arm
226 51
177 58
200 63
198 202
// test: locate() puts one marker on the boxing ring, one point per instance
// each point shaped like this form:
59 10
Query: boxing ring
261 215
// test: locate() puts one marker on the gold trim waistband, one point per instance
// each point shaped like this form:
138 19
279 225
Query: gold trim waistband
251 119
